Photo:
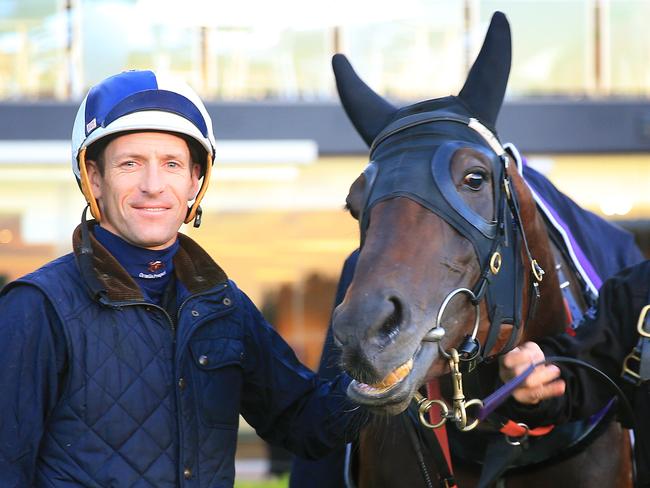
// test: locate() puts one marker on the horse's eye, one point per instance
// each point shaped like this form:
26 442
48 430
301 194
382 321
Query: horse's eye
474 181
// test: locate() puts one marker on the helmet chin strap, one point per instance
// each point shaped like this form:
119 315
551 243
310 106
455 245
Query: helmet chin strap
86 189
194 212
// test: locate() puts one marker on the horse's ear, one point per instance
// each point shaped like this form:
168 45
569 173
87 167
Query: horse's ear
487 80
368 111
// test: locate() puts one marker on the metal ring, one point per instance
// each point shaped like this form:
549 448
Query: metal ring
473 425
521 438
495 262
538 272
443 306
424 408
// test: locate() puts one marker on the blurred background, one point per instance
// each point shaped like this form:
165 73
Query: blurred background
578 106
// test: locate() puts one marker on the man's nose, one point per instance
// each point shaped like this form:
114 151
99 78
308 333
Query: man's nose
152 180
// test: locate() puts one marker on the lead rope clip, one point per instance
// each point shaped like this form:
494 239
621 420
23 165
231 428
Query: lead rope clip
458 413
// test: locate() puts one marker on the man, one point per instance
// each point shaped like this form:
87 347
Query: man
127 362
606 337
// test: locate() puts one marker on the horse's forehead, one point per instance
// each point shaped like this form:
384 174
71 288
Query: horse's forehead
422 173
425 139
443 104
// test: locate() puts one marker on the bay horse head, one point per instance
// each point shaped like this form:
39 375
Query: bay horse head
444 264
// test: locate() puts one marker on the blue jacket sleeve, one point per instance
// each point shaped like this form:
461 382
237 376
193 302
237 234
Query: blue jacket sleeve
32 358
288 404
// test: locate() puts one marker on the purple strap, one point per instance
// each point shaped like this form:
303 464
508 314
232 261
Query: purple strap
578 253
498 397
492 402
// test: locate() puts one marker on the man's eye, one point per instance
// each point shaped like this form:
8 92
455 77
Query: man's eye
173 164
474 181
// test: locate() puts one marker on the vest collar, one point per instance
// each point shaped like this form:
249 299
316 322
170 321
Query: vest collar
195 269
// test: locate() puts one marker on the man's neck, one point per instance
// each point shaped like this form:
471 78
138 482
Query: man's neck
151 269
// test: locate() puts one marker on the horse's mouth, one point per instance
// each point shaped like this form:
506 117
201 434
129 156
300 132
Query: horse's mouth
390 381
392 394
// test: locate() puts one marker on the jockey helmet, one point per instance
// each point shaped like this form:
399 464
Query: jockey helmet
141 101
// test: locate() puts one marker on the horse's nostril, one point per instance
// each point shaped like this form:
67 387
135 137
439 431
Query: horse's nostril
389 330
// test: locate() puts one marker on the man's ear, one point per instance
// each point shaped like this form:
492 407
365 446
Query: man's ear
95 177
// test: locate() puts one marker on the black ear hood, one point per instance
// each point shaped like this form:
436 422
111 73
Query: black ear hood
487 79
368 111
482 93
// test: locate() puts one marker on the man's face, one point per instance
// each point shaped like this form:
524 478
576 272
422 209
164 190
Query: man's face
148 180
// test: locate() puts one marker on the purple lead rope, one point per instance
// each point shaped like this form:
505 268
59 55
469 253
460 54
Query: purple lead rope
492 402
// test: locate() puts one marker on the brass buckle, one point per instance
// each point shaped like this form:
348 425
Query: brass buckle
628 370
538 271
495 263
639 325
506 187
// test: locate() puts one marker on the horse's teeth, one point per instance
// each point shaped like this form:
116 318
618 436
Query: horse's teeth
394 377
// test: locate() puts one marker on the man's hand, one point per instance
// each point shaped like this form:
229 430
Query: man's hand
544 382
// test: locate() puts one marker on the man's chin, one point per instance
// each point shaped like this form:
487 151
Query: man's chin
149 234
157 245
154 242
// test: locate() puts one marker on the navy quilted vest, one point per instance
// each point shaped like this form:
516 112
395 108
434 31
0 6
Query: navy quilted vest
114 425
129 414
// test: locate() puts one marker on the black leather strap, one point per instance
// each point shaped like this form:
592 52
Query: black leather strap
425 438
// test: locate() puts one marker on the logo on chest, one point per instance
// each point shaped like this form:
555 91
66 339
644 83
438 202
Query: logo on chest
156 270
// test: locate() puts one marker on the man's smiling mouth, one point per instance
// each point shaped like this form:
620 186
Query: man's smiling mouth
151 209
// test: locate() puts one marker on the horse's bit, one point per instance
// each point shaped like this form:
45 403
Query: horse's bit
458 414
470 350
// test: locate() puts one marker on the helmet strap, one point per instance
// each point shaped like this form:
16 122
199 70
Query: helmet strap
86 189
194 212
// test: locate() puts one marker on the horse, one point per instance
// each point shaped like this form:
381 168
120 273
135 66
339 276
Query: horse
456 266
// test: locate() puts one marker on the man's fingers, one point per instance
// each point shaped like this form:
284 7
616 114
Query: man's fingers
523 356
532 396
544 382
541 376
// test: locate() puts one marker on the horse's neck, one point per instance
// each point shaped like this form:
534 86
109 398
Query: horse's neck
550 316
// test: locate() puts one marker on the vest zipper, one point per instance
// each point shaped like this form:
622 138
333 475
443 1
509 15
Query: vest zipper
179 424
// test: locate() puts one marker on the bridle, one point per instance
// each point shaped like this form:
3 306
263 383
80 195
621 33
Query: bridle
426 179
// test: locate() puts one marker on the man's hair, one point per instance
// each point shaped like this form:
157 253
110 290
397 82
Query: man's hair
96 151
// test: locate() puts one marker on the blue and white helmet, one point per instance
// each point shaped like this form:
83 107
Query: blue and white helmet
140 100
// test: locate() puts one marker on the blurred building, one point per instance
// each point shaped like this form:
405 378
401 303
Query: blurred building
578 105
